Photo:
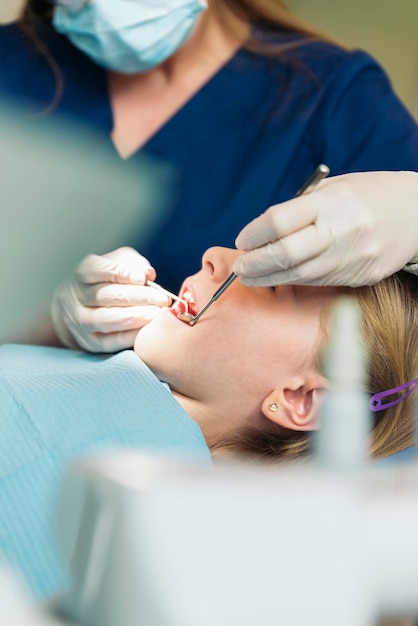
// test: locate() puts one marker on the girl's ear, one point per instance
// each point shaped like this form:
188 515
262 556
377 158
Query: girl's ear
295 404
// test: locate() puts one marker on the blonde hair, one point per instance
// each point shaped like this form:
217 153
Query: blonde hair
390 332
390 329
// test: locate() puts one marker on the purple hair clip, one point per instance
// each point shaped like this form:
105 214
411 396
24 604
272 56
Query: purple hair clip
375 402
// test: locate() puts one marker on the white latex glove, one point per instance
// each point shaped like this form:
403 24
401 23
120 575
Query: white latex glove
351 230
104 303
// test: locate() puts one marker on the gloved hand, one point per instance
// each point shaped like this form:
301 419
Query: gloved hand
351 230
104 303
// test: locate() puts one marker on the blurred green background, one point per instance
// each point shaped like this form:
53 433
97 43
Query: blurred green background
386 29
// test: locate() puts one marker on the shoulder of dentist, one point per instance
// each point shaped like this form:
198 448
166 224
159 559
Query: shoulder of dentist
245 142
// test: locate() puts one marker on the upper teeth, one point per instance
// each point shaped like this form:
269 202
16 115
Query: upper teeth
189 302
188 297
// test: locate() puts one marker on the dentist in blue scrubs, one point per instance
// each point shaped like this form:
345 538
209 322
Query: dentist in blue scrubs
242 101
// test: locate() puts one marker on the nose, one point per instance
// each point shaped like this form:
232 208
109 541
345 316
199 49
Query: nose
217 262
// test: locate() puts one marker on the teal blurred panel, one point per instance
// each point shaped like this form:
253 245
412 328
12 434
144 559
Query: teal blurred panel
64 194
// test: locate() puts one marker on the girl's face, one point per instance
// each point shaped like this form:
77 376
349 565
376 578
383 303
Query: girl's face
248 343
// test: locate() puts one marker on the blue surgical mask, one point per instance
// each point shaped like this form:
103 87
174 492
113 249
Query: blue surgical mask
128 36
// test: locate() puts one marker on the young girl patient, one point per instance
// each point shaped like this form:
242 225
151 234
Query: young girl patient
245 379
249 371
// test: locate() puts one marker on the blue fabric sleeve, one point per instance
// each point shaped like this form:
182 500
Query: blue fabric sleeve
362 116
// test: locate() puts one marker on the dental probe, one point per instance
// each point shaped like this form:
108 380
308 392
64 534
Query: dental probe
320 172
193 319
173 296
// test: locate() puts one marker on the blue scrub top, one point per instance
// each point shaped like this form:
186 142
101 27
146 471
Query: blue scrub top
248 138
60 405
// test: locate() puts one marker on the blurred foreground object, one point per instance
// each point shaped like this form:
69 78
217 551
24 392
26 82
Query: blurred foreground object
17 607
62 196
160 544
342 440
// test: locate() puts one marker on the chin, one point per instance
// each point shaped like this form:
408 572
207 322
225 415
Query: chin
152 339
151 350
146 340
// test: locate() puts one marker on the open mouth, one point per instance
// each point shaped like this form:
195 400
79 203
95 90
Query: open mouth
186 304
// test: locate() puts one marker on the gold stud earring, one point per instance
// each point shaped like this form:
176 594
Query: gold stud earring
273 407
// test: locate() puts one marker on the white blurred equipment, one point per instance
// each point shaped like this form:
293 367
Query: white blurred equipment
154 544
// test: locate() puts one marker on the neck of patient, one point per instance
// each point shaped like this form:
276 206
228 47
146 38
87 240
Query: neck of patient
202 413
215 416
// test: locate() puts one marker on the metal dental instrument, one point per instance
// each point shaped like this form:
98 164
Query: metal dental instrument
321 172
173 296
193 319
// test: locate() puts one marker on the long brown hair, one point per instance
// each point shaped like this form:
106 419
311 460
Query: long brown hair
33 11
390 332
272 14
